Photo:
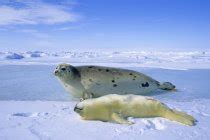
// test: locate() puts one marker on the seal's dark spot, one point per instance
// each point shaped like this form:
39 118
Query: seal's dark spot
135 76
107 70
98 84
134 79
75 71
90 80
114 85
145 85
113 81
99 69
130 73
90 67
63 69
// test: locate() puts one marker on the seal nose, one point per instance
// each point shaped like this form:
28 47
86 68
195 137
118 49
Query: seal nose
75 108
56 72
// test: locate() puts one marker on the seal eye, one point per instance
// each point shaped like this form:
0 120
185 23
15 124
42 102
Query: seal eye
63 69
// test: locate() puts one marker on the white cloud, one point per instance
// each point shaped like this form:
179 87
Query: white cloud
35 13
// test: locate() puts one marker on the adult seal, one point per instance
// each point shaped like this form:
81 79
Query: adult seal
96 81
117 108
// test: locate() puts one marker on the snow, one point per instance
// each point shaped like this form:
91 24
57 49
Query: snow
14 56
34 54
34 106
172 60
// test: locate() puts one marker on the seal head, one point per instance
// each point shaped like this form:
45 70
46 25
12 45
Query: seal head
62 70
66 71
69 77
79 108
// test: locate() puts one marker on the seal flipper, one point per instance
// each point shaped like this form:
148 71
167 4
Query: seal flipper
166 86
118 119
178 116
181 117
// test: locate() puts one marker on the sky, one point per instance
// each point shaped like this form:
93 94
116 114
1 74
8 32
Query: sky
89 25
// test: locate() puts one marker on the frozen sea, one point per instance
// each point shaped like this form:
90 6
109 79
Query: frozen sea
34 106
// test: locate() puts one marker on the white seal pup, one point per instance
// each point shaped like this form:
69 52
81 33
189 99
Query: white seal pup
96 81
117 108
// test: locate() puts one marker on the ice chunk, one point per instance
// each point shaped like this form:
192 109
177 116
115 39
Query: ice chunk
14 56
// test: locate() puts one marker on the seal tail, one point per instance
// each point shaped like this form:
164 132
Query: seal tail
166 86
180 117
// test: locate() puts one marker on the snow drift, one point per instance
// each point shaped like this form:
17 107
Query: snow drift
180 60
14 56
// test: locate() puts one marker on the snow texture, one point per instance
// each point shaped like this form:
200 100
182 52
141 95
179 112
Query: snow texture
14 56
173 60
